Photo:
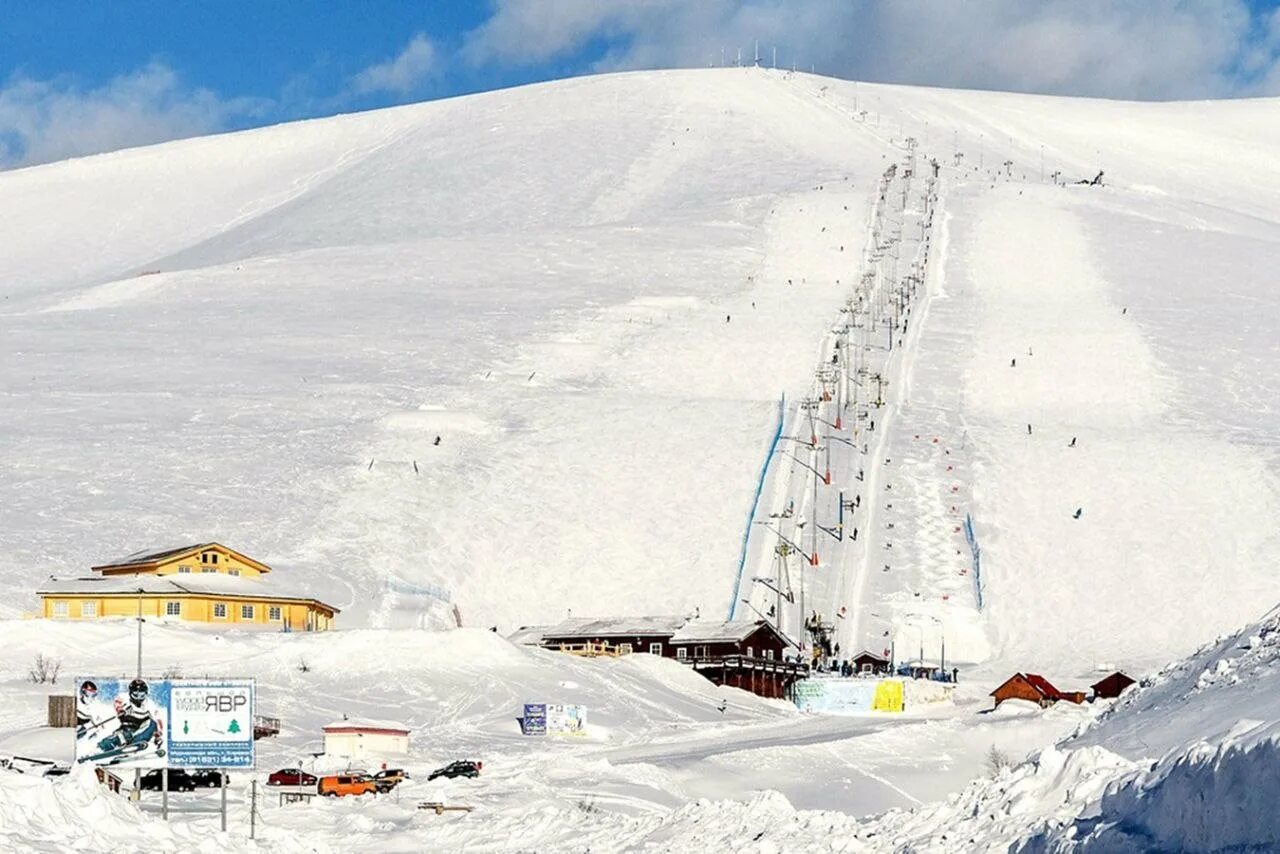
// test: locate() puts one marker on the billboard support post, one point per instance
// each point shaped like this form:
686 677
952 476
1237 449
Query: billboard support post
253 808
164 794
222 778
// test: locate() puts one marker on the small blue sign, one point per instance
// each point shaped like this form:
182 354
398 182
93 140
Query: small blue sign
534 721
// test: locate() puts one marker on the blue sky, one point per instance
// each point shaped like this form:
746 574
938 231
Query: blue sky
81 77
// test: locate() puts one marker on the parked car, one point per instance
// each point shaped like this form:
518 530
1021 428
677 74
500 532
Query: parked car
339 785
461 768
292 777
57 771
388 778
179 781
209 777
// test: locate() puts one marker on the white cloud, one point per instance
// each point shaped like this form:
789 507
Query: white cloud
1109 48
400 74
45 120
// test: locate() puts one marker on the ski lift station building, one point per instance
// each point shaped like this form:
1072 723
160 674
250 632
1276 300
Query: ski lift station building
203 583
360 738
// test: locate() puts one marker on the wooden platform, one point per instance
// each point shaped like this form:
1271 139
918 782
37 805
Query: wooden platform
440 808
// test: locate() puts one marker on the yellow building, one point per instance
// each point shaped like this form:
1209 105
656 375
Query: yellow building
204 583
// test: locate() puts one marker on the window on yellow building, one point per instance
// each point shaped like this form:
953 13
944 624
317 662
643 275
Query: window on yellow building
208 569
233 572
61 609
246 612
184 569
220 610
173 609
88 609
273 613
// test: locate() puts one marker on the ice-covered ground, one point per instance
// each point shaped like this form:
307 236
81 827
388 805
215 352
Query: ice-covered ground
594 292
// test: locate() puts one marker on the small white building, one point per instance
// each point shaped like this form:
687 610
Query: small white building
359 738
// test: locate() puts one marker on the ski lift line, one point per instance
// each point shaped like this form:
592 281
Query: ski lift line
866 293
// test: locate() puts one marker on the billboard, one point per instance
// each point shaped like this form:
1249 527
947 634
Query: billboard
566 720
122 722
849 696
164 723
212 723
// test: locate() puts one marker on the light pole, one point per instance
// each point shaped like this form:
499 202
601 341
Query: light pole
942 662
139 673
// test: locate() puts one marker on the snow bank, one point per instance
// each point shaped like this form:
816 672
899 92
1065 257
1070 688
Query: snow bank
78 813
1203 799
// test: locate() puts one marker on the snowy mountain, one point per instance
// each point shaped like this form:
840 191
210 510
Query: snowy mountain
594 293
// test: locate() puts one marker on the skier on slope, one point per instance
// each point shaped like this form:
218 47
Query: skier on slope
138 718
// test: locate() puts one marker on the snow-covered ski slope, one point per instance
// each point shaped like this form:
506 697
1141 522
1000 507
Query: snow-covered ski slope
594 292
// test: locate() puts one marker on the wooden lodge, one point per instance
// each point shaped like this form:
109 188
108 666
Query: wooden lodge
747 654
200 583
868 663
1111 686
1034 688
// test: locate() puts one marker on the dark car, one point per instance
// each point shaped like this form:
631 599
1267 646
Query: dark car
388 778
461 768
292 777
209 778
179 781
57 771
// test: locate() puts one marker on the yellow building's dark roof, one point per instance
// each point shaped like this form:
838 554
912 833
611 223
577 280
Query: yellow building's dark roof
151 558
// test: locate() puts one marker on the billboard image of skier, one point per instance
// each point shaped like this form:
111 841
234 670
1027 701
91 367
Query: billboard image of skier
121 722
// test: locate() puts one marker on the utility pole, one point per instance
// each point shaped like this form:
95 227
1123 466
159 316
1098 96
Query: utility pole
139 670
253 808
137 772
775 59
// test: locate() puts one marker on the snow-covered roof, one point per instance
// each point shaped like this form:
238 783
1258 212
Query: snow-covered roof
366 724
528 635
712 631
615 627
206 583
678 629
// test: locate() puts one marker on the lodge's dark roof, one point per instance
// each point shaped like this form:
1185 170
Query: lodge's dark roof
1117 675
151 556
866 653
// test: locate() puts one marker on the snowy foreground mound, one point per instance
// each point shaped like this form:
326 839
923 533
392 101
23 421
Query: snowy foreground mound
1186 762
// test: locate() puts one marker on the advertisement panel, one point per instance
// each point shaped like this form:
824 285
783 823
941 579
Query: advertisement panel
534 721
566 720
122 722
849 696
212 723
888 696
162 723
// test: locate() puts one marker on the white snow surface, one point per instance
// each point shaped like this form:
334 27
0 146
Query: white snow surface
593 292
